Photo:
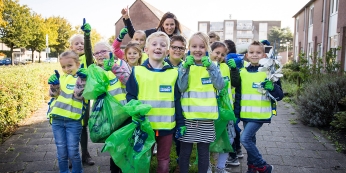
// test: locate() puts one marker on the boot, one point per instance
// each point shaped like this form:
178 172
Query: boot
87 159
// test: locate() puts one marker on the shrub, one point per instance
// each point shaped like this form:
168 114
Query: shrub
339 121
23 89
318 100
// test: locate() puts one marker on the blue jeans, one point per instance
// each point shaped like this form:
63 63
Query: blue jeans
67 134
248 139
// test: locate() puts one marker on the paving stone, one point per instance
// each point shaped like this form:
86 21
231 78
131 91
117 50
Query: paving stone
45 147
313 146
25 129
48 135
306 153
22 148
50 155
42 130
91 169
40 141
12 167
297 161
30 157
8 157
102 160
40 166
331 155
294 145
279 151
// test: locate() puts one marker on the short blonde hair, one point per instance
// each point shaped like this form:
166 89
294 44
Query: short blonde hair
204 37
140 32
70 54
106 44
157 34
74 36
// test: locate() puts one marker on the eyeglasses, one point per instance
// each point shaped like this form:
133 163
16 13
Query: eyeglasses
102 52
178 48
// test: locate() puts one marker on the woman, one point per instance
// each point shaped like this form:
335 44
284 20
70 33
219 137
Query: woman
169 24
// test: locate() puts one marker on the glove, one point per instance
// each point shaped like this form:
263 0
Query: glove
268 85
231 64
189 61
206 61
82 73
86 27
181 131
54 79
122 34
108 63
265 42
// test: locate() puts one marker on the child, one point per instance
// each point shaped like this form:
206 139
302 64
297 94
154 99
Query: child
155 83
133 54
256 108
67 110
198 79
213 36
139 36
176 51
77 45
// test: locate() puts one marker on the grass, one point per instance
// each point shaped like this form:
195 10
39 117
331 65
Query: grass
293 121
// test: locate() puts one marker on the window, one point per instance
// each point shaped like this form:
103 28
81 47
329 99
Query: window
332 6
297 24
311 15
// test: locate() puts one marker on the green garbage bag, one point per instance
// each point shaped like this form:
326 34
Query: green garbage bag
106 116
130 146
222 143
96 84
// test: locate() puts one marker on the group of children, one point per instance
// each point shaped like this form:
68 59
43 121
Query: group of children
182 90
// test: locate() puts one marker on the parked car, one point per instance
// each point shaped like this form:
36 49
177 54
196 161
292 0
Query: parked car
22 62
6 61
51 60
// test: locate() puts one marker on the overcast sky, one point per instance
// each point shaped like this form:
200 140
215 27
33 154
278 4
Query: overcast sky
102 14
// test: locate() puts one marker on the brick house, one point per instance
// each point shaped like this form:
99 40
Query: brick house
320 26
145 16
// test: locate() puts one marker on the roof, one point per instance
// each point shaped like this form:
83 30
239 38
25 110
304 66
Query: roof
306 5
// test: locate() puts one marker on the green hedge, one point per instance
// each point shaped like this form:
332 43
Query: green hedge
23 89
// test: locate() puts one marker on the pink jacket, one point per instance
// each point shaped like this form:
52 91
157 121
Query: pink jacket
117 51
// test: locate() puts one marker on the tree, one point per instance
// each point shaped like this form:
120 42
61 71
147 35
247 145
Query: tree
38 34
64 33
94 35
111 39
281 36
2 22
14 32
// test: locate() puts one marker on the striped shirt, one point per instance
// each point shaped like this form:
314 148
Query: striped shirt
199 131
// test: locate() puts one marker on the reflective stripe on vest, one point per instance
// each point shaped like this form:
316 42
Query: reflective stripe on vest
115 88
199 100
157 89
66 105
253 104
226 73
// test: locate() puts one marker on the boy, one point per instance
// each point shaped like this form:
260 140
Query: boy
255 108
155 83
176 51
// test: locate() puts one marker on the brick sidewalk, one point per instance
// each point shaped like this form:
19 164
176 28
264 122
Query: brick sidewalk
289 147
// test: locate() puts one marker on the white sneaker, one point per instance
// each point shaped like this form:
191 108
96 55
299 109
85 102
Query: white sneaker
220 170
210 168
232 161
155 149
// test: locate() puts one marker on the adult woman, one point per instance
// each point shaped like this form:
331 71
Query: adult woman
168 24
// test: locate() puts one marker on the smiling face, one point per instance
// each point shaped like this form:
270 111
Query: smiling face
132 57
218 54
140 38
177 51
101 52
254 54
69 65
77 45
157 48
197 48
169 26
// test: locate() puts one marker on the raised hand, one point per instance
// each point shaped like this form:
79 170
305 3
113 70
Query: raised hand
231 64
108 63
82 73
125 12
122 34
206 61
268 85
54 79
86 28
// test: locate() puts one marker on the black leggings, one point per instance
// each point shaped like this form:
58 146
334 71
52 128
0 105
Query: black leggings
203 156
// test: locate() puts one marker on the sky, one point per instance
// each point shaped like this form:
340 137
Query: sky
103 14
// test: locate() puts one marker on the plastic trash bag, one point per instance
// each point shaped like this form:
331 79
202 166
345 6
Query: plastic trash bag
222 142
96 84
130 146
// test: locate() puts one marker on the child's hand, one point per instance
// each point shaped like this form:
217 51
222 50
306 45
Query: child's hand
206 61
108 63
268 85
125 12
82 73
265 42
181 131
189 61
54 79
231 64
122 34
86 27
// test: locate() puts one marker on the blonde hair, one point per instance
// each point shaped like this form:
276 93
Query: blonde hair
257 43
74 36
213 34
140 32
157 34
70 54
204 38
133 45
104 43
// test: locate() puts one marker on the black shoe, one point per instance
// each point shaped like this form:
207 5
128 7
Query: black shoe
87 159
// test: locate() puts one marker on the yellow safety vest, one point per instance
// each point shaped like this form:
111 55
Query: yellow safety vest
157 90
254 105
226 74
82 60
66 105
199 100
144 57
115 88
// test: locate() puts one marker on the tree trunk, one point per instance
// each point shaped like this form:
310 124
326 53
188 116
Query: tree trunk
32 55
12 55
39 56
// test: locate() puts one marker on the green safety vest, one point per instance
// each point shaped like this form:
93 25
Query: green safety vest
199 100
115 88
254 105
66 105
157 90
